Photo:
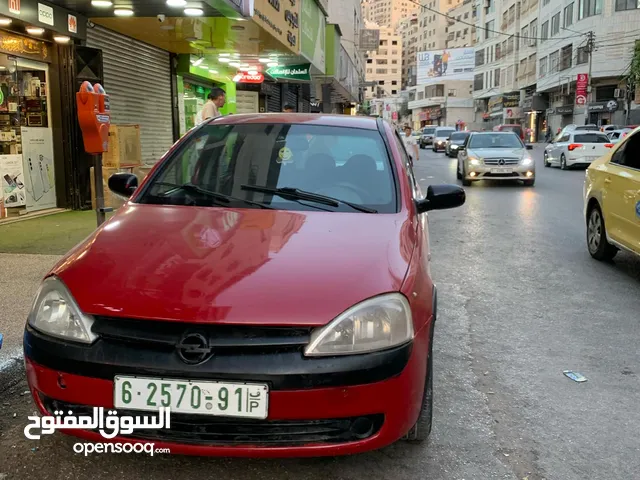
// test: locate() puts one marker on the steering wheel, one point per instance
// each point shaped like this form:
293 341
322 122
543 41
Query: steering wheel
360 192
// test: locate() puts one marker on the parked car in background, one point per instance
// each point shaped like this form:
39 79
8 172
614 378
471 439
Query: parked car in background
573 127
426 138
517 129
617 135
610 128
199 300
612 200
440 137
495 156
576 148
454 142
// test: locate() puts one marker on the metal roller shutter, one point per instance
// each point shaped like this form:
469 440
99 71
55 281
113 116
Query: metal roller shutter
137 77
292 96
273 101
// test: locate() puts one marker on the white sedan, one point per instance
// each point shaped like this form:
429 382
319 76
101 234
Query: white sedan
576 148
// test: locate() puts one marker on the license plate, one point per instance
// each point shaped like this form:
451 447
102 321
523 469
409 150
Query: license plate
225 399
502 170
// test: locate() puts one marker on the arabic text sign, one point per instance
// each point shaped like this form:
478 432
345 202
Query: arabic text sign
109 426
581 88
438 65
291 72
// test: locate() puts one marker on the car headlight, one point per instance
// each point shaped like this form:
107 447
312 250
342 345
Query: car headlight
56 313
527 161
453 146
474 161
375 324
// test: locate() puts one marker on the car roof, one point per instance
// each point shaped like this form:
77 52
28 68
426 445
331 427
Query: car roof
349 121
493 133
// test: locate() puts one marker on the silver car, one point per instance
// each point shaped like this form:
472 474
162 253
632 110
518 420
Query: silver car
495 156
576 148
440 137
616 135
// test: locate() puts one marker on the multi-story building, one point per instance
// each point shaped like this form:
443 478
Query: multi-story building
388 13
461 32
383 66
408 31
433 27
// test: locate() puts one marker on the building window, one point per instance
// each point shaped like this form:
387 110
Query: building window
394 42
369 60
542 68
479 57
566 55
394 82
496 77
452 92
381 61
369 70
394 52
383 43
554 61
544 31
395 62
555 24
589 8
489 27
568 15
524 33
622 5
381 71
582 57
393 92
380 82
477 82
394 70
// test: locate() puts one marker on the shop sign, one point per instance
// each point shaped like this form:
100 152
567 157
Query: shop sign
495 104
290 72
243 77
369 40
45 14
26 47
564 110
13 191
312 33
14 6
510 100
72 23
610 106
280 19
37 159
513 112
527 104
582 81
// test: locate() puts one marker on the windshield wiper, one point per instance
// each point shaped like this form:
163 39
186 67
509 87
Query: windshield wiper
297 194
221 197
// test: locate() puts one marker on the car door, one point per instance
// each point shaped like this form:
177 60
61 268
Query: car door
621 194
558 147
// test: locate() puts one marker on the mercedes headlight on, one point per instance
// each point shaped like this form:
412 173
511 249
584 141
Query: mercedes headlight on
375 324
527 161
56 313
474 161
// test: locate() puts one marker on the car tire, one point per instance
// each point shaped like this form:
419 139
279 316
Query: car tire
597 243
458 174
563 162
529 183
465 182
546 160
422 428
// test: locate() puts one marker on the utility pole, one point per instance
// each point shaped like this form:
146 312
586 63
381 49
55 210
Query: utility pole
589 48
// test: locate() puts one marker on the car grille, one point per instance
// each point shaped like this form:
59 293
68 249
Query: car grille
496 161
204 430
225 339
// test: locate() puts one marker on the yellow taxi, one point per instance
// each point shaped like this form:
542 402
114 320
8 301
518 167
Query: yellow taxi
612 200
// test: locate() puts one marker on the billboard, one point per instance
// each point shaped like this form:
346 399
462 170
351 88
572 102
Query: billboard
449 64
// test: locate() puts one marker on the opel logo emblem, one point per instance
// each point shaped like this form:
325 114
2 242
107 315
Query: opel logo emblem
501 161
194 349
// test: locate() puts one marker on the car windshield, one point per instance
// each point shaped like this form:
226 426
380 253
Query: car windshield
428 131
587 127
511 128
591 138
495 140
416 134
224 165
458 138
444 133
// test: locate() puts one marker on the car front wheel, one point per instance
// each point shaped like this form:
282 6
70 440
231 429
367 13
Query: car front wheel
599 246
422 428
546 160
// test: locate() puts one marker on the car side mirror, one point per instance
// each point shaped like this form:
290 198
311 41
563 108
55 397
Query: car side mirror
529 146
123 184
441 197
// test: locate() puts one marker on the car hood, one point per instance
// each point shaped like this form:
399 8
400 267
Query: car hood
496 152
224 265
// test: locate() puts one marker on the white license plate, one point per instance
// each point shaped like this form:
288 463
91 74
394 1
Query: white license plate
247 400
502 170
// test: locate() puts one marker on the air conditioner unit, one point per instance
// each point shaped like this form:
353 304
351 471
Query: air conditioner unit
618 93
532 42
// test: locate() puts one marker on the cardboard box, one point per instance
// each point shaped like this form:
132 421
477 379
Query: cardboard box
110 199
124 148
142 171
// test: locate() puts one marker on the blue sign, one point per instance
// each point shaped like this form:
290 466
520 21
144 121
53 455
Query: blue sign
638 209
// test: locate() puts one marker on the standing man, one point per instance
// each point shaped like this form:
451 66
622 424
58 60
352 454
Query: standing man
410 143
445 61
215 102
288 109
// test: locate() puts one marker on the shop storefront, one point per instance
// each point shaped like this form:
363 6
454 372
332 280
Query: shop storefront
605 113
429 116
503 109
534 107
31 166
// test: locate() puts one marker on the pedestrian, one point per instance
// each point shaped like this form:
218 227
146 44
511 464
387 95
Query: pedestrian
410 143
288 109
548 137
215 102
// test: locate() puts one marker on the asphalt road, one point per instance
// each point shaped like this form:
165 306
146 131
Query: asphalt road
520 301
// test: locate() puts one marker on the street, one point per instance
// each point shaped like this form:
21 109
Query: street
520 301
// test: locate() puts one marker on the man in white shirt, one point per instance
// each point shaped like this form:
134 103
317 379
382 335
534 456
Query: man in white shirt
411 144
216 101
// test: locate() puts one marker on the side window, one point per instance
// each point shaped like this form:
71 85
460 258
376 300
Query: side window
628 155
564 138
407 163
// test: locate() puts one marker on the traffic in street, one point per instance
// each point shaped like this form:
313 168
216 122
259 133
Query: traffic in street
520 302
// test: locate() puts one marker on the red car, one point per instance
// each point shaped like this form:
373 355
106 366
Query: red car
268 282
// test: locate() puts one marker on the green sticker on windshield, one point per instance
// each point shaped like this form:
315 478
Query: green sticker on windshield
284 155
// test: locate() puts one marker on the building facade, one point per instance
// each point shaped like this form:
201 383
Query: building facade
462 32
408 29
383 66
388 13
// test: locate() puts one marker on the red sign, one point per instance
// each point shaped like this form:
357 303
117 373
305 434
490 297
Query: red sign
394 115
581 88
14 6
243 77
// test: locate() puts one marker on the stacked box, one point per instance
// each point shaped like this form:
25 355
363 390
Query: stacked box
124 149
110 199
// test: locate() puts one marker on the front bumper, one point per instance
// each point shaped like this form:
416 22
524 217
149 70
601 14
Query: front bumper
439 145
317 407
491 172
426 140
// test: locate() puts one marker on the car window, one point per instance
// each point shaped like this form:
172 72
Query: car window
628 155
444 132
564 138
428 131
587 127
590 138
495 140
458 138
345 163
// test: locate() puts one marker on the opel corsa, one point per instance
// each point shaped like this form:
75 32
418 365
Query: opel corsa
268 281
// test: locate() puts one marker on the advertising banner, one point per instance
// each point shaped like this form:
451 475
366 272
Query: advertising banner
37 160
312 26
290 72
12 180
438 65
281 20
582 81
